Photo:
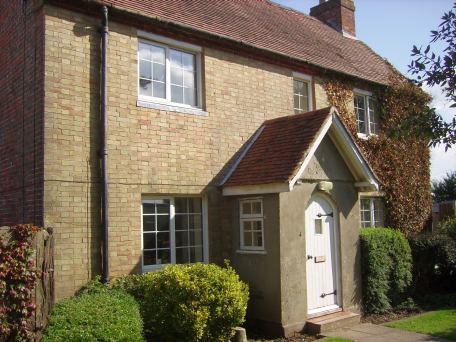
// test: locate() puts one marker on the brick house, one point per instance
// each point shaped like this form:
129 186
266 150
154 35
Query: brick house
220 141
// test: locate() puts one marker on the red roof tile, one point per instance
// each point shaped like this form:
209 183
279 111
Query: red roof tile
280 149
266 25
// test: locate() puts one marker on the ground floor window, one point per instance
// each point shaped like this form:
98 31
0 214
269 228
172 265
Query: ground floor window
172 231
371 212
252 231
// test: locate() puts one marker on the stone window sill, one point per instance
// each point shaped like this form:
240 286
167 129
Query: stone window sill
171 108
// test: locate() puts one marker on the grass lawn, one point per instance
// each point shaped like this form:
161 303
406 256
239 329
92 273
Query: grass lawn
440 323
337 339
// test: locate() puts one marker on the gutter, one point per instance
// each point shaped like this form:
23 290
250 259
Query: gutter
103 147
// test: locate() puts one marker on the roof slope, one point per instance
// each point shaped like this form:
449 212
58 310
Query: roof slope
266 25
280 149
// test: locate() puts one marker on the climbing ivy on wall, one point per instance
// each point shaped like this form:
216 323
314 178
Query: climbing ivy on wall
401 163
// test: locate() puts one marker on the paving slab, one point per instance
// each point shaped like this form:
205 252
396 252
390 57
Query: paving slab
367 332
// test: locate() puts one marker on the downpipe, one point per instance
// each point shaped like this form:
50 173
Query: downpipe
104 149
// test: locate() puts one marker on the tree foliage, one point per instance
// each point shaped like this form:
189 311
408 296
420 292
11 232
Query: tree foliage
434 69
445 189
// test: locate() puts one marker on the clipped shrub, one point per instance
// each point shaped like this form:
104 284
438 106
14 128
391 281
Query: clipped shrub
448 226
189 302
99 314
386 268
434 262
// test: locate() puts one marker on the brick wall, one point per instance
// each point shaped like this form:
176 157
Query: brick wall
150 151
21 112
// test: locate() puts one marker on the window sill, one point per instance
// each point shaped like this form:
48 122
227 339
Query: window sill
171 108
364 136
246 251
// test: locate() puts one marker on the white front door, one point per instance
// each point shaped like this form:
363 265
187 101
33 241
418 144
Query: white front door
321 257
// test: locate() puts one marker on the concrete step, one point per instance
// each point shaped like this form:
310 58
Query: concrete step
338 320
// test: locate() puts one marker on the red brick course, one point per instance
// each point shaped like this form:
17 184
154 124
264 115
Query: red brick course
21 112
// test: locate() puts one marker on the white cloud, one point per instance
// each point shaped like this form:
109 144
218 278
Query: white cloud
441 161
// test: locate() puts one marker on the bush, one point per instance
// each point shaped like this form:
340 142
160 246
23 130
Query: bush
448 226
189 302
99 314
434 262
386 268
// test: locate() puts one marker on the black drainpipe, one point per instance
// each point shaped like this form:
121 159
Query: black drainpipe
104 150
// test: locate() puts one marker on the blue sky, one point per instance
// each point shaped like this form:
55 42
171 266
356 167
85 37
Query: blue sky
391 28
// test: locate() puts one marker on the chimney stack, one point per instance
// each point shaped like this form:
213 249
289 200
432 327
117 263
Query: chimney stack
338 14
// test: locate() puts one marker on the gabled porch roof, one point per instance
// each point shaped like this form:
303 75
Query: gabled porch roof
281 149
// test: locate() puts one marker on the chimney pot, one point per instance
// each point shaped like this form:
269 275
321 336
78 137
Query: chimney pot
338 14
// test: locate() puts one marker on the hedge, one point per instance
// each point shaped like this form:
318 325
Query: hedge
386 268
110 315
189 302
434 262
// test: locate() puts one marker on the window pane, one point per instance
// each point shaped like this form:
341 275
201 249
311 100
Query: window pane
149 223
182 256
182 239
247 225
195 222
176 59
144 51
159 72
149 241
163 240
194 205
163 257
188 61
145 69
305 104
162 206
162 222
256 208
196 237
297 86
246 208
318 226
181 222
145 87
365 204
159 90
177 94
256 225
148 208
181 205
158 54
150 258
247 239
257 239
297 105
177 76
189 79
196 254
189 96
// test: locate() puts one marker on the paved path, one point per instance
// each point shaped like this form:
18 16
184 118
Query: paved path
367 332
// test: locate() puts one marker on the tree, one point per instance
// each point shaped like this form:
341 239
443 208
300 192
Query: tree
433 69
445 190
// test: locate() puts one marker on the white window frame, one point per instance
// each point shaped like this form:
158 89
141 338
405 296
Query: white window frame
167 44
251 217
204 222
373 217
307 79
365 94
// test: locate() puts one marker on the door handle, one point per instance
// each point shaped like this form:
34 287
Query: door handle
309 257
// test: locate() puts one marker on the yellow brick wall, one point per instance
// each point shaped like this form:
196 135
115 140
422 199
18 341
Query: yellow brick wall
149 151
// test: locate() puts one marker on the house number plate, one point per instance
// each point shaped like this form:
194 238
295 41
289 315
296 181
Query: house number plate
321 258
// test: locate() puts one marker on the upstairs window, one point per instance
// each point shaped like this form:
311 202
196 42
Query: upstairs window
366 116
302 94
371 212
168 74
252 230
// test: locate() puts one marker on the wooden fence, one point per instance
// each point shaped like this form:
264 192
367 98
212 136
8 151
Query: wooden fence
43 294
